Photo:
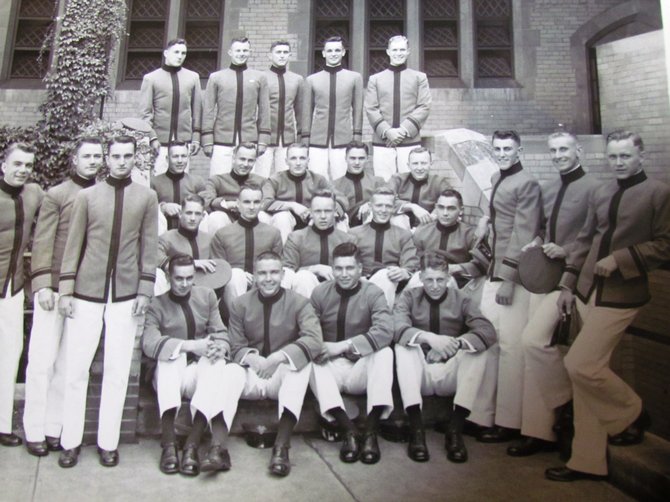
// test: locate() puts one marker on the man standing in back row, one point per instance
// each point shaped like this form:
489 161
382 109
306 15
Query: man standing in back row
397 104
110 279
333 112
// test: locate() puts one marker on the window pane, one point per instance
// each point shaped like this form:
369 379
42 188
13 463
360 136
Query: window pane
202 32
33 25
493 38
148 19
440 20
332 18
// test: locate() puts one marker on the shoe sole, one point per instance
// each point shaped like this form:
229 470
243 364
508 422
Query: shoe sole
214 467
37 453
66 466
370 461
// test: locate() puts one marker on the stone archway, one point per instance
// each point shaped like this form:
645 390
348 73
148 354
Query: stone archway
646 13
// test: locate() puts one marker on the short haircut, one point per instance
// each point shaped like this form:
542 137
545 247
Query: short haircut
622 135
436 260
509 134
563 134
242 40
180 260
357 144
90 140
297 145
247 145
335 38
324 193
18 145
347 249
419 149
450 192
398 38
384 190
277 43
124 140
176 41
194 197
267 255
250 185
172 144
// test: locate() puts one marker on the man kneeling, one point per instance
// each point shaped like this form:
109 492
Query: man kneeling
275 334
357 330
433 357
183 331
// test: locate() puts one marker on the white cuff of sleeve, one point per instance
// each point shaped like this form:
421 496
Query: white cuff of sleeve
176 352
290 361
251 351
467 346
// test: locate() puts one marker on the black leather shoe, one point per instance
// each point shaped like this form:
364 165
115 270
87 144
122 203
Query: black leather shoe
279 462
69 458
169 463
567 474
190 463
218 459
37 448
498 434
10 439
634 433
370 449
530 446
108 458
53 443
456 451
416 448
349 450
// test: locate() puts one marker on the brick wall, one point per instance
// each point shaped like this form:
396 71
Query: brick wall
634 94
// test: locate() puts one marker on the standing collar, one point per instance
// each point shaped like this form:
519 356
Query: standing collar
240 178
380 226
332 69
293 177
81 181
446 230
269 300
247 223
118 183
573 175
348 292
414 181
632 180
175 176
354 176
512 170
398 68
436 301
171 69
189 234
9 189
278 70
238 67
179 299
327 231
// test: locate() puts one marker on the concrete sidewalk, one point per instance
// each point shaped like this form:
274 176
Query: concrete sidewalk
317 474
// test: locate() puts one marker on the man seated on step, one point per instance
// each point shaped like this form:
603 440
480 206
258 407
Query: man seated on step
308 252
174 185
357 331
186 239
453 237
275 335
242 241
221 190
184 333
287 194
358 184
443 347
418 189
387 251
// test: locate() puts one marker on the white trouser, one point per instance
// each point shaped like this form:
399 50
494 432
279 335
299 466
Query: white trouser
285 222
161 164
328 162
82 335
286 386
371 375
222 160
301 281
272 161
212 388
11 345
546 384
45 374
381 279
463 376
509 322
388 161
